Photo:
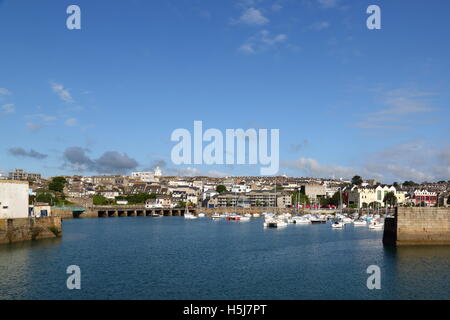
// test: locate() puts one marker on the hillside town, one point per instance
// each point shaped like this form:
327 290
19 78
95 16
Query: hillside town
158 191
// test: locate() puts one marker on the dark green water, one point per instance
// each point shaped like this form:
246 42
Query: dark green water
174 258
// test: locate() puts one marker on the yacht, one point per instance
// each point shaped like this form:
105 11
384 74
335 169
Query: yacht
337 225
274 223
256 215
190 216
301 220
317 220
347 220
245 218
202 215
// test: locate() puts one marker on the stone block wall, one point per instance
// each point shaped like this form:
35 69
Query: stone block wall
26 229
423 226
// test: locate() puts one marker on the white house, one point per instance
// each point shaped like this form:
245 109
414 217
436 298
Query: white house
13 199
241 188
144 176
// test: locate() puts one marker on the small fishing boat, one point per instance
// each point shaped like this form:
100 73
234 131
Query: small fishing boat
216 216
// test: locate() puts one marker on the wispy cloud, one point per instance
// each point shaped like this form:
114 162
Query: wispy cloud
400 106
62 92
328 3
5 92
414 160
263 40
252 17
8 108
71 122
319 26
312 167
39 121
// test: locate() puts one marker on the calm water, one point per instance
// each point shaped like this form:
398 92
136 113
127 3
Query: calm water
174 258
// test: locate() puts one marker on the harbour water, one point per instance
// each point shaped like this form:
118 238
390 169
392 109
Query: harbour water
175 258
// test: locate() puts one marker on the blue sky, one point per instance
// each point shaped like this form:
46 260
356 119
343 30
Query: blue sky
106 98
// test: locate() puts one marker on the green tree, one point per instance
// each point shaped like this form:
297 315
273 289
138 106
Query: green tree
99 200
390 199
46 197
409 184
140 198
221 189
357 180
302 198
57 184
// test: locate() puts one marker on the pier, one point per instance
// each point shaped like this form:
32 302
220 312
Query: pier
418 226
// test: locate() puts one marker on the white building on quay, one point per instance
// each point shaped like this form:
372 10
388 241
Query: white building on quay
13 199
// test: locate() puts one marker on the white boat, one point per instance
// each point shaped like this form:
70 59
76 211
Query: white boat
347 220
301 220
202 215
274 223
256 215
190 216
359 223
316 220
245 218
337 225
248 215
376 225
216 216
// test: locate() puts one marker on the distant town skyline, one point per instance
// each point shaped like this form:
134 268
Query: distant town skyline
347 100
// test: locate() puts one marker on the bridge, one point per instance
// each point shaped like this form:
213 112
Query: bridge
133 211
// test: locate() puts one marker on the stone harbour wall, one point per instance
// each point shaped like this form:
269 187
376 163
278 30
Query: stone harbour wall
27 229
419 226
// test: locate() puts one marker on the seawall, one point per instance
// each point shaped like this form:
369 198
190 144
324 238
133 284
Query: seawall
418 226
27 229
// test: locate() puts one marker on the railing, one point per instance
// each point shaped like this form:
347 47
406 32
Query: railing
70 208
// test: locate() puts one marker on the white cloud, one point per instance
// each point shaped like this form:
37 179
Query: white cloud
8 108
400 106
262 41
328 3
4 92
277 7
313 168
63 93
415 160
254 17
194 172
39 121
319 26
71 122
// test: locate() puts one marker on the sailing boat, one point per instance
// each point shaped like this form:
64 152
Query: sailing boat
338 223
187 214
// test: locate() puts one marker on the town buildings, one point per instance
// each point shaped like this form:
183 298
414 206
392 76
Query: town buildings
22 175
